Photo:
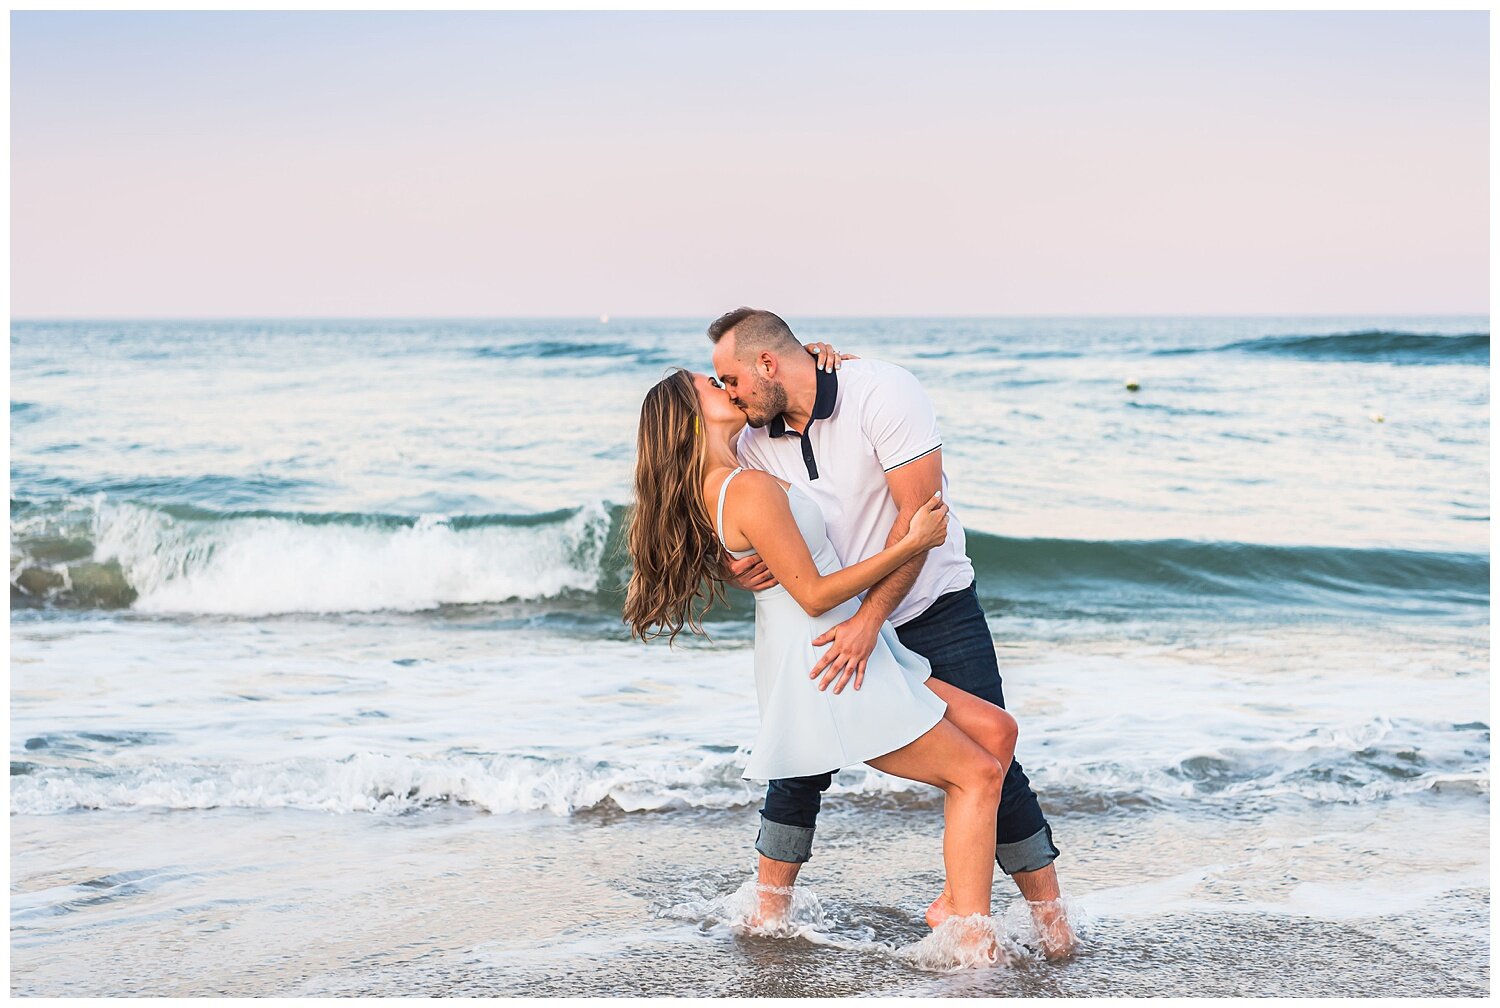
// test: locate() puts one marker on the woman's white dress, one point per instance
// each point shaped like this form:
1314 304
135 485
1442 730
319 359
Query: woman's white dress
804 730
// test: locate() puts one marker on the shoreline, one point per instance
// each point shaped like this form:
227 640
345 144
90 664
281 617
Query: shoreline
450 901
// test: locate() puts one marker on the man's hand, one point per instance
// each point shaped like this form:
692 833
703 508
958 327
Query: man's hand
750 573
853 640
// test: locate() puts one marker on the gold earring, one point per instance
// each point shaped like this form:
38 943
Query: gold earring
697 430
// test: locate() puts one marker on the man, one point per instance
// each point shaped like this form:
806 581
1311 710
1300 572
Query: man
863 442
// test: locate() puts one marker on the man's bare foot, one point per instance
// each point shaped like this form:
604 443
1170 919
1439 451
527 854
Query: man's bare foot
1053 931
940 910
773 905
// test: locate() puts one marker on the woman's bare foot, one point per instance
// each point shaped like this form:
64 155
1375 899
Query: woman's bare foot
1053 931
940 910
974 939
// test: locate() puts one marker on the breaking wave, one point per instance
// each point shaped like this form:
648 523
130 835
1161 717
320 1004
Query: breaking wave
96 553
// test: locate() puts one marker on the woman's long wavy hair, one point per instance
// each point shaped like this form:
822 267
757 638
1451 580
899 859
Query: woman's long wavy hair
674 548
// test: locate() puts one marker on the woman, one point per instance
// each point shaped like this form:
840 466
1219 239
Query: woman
693 503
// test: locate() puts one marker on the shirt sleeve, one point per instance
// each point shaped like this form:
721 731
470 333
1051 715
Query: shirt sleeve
899 420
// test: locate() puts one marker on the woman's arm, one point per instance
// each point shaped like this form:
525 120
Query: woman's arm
756 506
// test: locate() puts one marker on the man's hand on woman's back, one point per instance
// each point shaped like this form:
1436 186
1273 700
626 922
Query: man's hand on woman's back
750 573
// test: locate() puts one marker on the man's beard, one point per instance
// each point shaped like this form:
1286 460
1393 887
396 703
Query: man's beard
772 403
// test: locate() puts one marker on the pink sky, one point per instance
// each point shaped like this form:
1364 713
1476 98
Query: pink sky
524 164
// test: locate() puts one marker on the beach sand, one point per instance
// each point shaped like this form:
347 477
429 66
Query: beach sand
299 709
263 902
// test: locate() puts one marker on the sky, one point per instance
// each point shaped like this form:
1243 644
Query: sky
508 163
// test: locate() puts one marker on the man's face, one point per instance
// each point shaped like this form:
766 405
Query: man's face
759 397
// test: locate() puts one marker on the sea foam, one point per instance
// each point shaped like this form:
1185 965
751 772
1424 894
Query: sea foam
264 565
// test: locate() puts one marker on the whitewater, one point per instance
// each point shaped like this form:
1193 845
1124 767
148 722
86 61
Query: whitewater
312 614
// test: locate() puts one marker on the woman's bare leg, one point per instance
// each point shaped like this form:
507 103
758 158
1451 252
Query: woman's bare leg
992 727
995 730
971 778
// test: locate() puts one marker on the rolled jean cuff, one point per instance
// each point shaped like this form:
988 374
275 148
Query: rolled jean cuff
781 842
1032 854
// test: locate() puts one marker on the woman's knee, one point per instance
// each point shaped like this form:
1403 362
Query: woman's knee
1003 733
981 775
996 731
993 781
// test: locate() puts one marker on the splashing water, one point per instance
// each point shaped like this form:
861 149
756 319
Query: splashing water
958 943
792 913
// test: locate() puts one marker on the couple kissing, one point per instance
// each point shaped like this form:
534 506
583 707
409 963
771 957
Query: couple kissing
815 481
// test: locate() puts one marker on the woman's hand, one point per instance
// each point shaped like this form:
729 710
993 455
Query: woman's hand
829 359
929 526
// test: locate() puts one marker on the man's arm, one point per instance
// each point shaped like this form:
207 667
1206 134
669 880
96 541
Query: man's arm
750 573
911 486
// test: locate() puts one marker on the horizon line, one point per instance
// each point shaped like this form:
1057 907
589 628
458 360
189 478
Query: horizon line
605 318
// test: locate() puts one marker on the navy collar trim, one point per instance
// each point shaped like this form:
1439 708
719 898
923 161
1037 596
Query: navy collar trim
823 400
823 403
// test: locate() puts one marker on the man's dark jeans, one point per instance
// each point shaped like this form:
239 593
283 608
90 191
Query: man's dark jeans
953 636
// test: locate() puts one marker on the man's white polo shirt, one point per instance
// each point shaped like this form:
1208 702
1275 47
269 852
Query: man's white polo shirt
869 417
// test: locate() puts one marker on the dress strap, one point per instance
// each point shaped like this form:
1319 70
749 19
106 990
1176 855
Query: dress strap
723 489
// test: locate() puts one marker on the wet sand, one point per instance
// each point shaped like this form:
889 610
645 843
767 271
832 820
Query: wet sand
281 902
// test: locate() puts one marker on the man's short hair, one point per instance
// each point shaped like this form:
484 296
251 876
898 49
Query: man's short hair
754 330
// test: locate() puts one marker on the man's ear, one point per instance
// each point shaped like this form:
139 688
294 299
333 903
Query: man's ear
767 363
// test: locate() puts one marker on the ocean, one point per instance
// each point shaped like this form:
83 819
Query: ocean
319 684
